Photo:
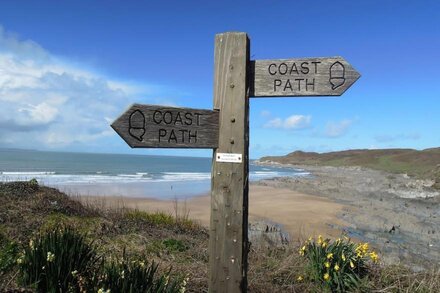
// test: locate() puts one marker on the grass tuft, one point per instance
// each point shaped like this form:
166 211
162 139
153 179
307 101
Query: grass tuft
156 218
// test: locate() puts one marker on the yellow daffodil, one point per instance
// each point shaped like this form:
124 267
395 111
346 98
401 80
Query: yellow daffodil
365 247
320 240
300 278
343 257
302 250
351 264
326 276
183 285
50 257
336 267
362 249
327 264
374 257
330 255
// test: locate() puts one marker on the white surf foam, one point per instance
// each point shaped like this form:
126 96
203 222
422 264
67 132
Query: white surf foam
51 178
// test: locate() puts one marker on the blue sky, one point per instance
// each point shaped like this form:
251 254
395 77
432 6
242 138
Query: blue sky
68 68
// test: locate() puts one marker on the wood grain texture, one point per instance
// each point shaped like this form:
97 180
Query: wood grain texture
151 126
228 242
330 76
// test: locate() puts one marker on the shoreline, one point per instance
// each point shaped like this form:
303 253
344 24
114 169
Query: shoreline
397 214
300 215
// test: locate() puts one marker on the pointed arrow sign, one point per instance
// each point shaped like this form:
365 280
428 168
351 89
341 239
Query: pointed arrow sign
330 76
150 126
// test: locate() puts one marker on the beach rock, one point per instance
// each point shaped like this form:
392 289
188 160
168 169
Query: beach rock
267 234
397 214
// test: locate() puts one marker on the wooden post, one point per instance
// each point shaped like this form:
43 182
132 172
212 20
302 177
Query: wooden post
228 242
236 78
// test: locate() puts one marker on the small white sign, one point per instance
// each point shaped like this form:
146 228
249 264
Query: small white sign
229 158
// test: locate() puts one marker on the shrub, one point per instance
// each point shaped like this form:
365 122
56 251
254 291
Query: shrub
174 245
33 182
138 276
58 261
8 255
338 265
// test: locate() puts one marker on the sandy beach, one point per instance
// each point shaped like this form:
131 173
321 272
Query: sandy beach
299 214
397 214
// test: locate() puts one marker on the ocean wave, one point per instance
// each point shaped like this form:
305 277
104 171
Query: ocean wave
28 173
130 175
184 176
60 179
52 178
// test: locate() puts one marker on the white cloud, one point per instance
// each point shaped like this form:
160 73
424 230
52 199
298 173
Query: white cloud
337 129
46 101
294 122
42 113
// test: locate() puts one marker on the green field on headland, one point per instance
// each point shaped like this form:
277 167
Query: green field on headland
124 238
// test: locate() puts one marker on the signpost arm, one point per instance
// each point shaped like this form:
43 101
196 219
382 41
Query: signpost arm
228 242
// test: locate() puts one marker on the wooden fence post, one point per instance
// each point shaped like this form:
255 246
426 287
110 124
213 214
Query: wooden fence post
228 242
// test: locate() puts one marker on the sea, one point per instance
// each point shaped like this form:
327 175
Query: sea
91 174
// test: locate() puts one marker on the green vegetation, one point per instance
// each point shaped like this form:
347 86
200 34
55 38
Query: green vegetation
138 276
157 218
422 164
174 245
339 265
62 260
8 255
113 249
58 261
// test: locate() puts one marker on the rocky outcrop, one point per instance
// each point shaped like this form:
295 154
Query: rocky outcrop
267 234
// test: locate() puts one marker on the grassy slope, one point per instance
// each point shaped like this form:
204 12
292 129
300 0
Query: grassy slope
27 209
424 164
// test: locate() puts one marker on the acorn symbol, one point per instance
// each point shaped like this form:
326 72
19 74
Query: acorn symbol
136 124
337 75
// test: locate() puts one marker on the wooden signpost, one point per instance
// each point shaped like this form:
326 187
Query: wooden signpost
301 77
148 126
226 130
